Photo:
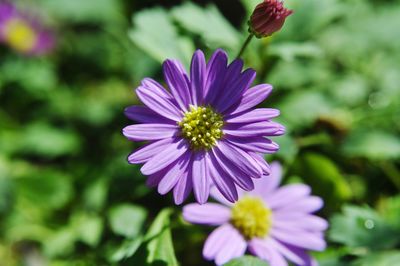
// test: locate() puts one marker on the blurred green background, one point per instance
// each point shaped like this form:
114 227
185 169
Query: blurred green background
67 194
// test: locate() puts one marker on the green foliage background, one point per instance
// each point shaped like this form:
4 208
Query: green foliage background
67 195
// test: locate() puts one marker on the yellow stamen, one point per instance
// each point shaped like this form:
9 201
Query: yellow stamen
202 127
20 35
251 217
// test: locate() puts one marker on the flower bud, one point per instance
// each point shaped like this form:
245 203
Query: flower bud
267 18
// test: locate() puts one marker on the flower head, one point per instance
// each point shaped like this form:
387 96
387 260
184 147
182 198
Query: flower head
273 223
268 17
23 33
204 130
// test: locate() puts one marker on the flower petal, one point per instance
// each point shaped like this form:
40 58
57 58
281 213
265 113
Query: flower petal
255 144
256 115
306 205
261 249
143 114
165 157
224 185
241 178
286 195
176 78
216 194
307 222
254 129
183 188
154 96
216 71
174 173
216 240
200 178
251 98
298 238
142 132
146 152
267 184
240 158
234 94
236 248
198 77
291 253
266 169
208 213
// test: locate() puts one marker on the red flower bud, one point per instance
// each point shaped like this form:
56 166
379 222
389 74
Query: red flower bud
267 18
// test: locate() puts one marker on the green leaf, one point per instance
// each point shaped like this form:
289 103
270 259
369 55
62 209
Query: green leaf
88 228
386 258
208 23
155 34
247 261
325 179
362 227
372 144
127 249
127 220
160 247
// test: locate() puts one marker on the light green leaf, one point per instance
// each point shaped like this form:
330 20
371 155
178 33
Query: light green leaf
88 228
386 258
160 247
127 249
362 227
373 144
127 220
155 34
247 261
208 23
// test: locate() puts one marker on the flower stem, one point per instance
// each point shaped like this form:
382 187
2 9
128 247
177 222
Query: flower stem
245 44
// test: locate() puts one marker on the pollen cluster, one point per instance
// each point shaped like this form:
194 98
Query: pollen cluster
202 126
251 217
20 35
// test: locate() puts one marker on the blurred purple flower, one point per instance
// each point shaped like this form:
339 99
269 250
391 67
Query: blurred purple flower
273 223
22 32
204 130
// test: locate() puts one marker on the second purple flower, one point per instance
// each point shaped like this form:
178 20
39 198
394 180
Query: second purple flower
204 131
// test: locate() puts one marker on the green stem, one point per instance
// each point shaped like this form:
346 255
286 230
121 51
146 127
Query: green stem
245 44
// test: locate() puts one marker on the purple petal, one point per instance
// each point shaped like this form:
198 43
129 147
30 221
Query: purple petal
224 185
298 238
263 250
143 132
251 98
267 184
198 77
241 178
255 144
254 129
200 178
146 152
143 114
177 80
216 71
217 240
240 158
266 169
290 253
208 213
256 115
236 248
158 99
216 194
306 222
234 94
174 173
286 195
154 179
182 189
306 205
165 157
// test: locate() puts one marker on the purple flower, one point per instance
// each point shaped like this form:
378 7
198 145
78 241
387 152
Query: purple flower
204 130
22 32
273 223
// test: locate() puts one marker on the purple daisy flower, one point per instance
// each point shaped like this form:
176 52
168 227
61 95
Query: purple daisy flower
22 32
204 130
273 223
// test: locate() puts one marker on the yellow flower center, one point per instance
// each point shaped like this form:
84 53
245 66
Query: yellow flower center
202 126
251 217
20 35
